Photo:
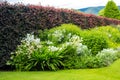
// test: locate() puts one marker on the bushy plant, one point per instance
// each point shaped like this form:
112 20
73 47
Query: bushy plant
95 41
107 56
112 33
79 50
111 10
62 47
18 20
104 58
32 55
52 53
70 28
91 62
60 34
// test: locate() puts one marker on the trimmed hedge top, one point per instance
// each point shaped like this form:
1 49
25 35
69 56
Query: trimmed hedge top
17 20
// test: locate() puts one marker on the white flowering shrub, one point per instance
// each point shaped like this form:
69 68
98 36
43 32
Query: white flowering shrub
59 36
35 54
76 42
107 56
23 53
102 59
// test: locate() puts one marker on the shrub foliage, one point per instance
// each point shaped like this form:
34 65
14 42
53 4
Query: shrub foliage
111 10
17 20
62 48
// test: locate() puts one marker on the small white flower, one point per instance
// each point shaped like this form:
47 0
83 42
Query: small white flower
29 38
75 39
11 57
39 46
37 41
49 42
53 48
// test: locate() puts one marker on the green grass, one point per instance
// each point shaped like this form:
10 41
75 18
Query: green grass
108 73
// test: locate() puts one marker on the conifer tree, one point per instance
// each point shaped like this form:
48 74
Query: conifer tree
111 10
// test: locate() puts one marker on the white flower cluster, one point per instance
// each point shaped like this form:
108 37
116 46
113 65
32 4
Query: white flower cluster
76 42
29 44
58 34
53 48
107 53
31 39
49 42
75 39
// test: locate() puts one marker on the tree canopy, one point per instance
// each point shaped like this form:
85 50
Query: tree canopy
111 10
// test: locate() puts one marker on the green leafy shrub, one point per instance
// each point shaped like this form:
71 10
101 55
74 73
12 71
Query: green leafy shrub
32 55
112 33
69 28
59 34
51 54
95 41
91 62
73 56
64 47
111 10
18 20
66 29
104 58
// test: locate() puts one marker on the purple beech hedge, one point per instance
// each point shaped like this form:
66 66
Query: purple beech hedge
17 20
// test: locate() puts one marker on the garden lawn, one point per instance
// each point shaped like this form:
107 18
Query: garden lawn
108 73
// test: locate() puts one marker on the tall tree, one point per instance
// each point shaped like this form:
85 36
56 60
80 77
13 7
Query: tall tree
111 10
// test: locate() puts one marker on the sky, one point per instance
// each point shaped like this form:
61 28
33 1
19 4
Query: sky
71 4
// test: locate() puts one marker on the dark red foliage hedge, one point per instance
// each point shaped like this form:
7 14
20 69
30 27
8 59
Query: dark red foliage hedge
17 20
